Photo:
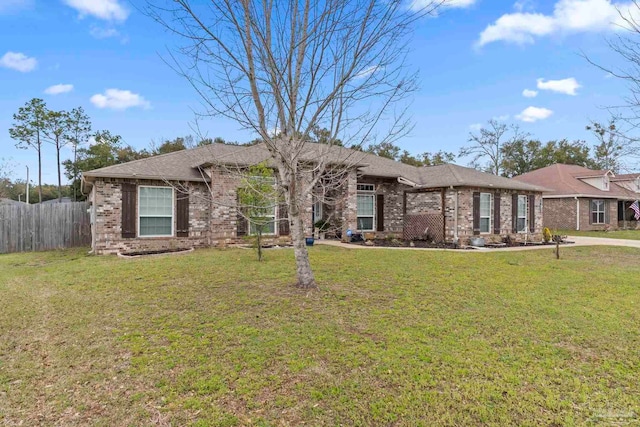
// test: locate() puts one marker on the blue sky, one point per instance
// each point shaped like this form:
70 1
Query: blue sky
475 60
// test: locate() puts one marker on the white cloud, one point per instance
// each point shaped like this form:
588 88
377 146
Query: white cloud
566 86
452 4
117 99
58 89
528 93
103 33
108 10
502 118
368 71
569 16
475 127
18 61
533 114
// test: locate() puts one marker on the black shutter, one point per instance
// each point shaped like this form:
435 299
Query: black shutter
476 212
607 217
128 210
242 225
379 212
496 213
591 206
283 220
182 214
514 213
532 213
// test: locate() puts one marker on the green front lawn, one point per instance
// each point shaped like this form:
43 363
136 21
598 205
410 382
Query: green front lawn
392 338
616 234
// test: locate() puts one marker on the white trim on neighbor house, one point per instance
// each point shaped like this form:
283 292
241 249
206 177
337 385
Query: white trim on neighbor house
594 210
173 212
583 196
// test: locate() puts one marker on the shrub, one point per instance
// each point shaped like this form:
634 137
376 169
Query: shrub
546 235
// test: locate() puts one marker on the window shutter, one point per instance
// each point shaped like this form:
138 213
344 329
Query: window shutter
591 209
128 210
379 212
496 213
242 225
476 212
514 213
182 214
283 220
607 219
532 213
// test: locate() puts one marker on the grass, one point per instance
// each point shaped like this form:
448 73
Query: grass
614 234
392 338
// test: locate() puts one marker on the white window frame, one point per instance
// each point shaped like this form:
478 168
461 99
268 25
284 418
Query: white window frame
522 215
367 190
598 211
489 216
173 212
274 222
275 212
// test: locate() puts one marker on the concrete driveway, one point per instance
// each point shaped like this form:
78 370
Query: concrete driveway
603 241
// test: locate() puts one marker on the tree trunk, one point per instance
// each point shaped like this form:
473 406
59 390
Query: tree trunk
304 273
303 266
59 176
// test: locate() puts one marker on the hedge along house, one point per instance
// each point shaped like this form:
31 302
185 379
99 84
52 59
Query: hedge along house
189 199
579 198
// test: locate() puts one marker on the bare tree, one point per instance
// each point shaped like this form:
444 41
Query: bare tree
614 148
283 69
488 145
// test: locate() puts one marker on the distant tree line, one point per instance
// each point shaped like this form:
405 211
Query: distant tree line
505 150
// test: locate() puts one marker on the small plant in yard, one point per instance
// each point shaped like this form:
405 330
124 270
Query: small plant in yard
546 235
258 198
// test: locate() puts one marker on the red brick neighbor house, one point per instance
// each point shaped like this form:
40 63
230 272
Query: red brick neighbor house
188 199
584 199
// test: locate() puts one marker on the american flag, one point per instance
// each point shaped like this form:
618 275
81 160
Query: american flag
636 208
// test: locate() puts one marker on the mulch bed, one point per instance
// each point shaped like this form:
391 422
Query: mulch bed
156 252
396 243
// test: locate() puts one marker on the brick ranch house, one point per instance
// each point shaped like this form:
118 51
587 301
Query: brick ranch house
186 199
584 199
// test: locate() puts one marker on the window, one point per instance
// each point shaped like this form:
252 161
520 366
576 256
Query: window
155 211
485 212
317 210
267 220
366 207
521 219
597 211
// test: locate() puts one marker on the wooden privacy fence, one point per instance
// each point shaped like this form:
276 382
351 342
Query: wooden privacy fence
44 226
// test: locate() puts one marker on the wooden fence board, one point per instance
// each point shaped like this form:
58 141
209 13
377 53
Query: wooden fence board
43 227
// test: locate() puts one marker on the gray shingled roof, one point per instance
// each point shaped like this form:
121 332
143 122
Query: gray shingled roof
184 165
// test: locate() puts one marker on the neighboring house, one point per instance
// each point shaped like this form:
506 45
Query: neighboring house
188 199
585 199
65 199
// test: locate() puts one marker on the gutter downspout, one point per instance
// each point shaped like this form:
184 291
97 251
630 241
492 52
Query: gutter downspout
577 213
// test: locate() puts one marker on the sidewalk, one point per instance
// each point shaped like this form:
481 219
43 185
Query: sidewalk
579 241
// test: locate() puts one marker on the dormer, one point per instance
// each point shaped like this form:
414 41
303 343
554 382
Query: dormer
601 181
